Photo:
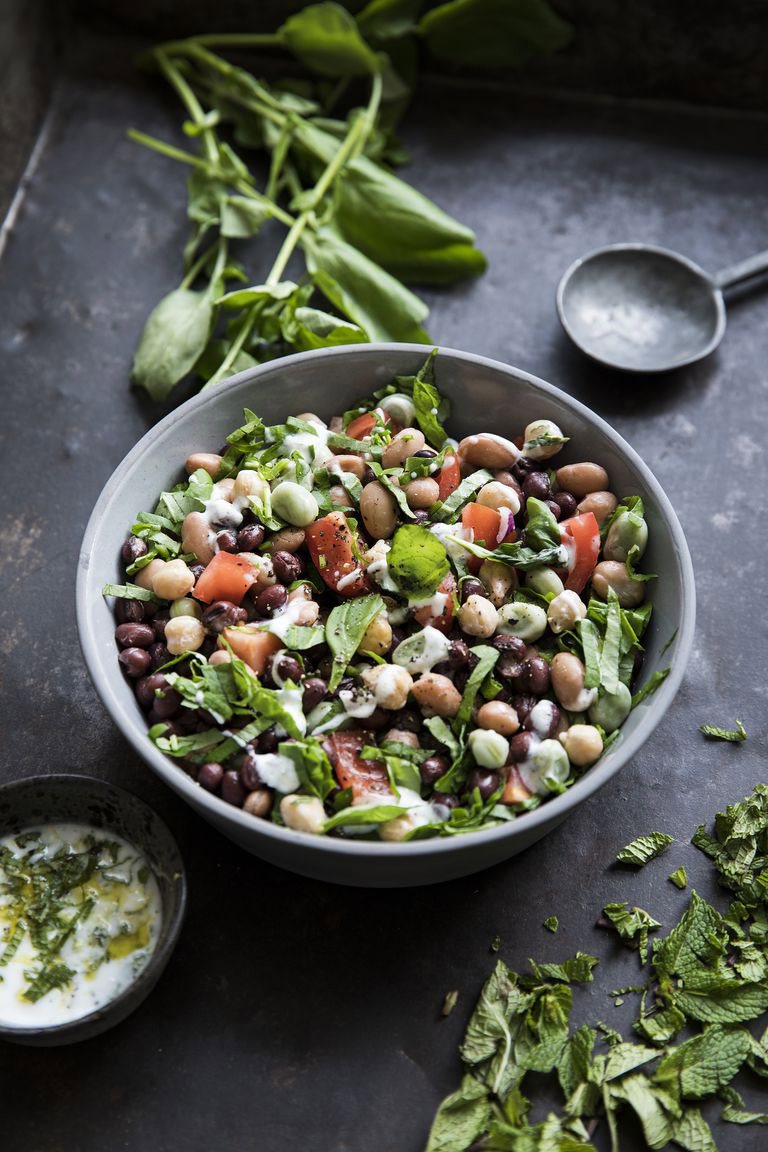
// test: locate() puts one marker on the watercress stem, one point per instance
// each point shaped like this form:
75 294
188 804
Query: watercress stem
236 346
190 101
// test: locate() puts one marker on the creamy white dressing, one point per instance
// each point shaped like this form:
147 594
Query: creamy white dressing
350 578
358 702
541 718
110 943
311 447
285 618
386 685
277 771
450 536
420 652
436 603
378 566
290 699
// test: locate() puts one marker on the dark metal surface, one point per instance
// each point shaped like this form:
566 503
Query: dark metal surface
293 1014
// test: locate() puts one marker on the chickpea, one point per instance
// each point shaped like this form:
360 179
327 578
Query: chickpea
499 580
183 634
601 504
478 617
378 510
581 479
487 450
173 581
436 695
406 443
489 749
311 418
422 493
210 462
197 537
565 610
401 736
545 581
377 637
399 828
497 496
567 677
249 485
527 621
537 430
390 685
583 744
498 717
308 613
225 489
295 504
609 710
627 531
287 540
614 574
303 813
221 656
354 464
258 803
146 575
400 407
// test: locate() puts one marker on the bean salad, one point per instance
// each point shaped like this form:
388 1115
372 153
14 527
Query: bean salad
364 628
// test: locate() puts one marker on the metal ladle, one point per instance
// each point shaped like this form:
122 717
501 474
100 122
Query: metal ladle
646 309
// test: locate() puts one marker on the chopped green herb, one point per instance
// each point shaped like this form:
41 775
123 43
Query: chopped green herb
736 736
651 685
552 923
679 877
449 1003
645 848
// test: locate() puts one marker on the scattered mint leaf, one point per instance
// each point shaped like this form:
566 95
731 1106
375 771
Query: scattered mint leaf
679 877
651 685
450 1002
552 923
736 736
644 848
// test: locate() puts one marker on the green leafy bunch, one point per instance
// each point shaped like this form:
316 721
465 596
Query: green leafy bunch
706 980
360 230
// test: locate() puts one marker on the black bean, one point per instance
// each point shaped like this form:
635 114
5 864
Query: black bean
535 675
287 667
486 782
471 587
324 669
248 770
134 635
223 614
129 611
433 768
227 540
542 708
458 654
378 720
271 600
197 571
406 720
250 537
158 654
523 704
188 719
314 691
520 746
132 549
507 479
554 508
537 484
567 504
167 704
209 777
368 475
170 727
425 453
522 467
511 644
287 566
135 661
266 741
145 689
159 621
446 799
420 516
232 790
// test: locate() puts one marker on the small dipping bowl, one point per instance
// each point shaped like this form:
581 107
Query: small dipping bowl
59 799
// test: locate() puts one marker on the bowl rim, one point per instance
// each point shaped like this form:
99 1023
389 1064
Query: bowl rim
171 925
551 811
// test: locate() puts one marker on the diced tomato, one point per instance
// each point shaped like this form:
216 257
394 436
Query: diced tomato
227 577
515 790
444 619
484 525
361 426
581 537
254 647
331 546
362 776
449 476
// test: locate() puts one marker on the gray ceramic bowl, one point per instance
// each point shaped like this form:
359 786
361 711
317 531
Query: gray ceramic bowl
84 799
486 395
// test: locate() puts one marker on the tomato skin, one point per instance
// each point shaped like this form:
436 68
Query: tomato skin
449 476
515 790
581 537
330 544
255 648
444 621
484 524
227 577
362 426
362 776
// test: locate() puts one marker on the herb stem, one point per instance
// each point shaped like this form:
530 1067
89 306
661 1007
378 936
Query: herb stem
190 101
225 40
236 346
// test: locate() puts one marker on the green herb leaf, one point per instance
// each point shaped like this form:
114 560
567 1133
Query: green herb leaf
356 817
650 686
552 923
486 661
173 339
312 765
326 39
417 561
645 848
346 626
450 1002
632 926
679 877
493 33
461 1118
448 511
128 591
728 734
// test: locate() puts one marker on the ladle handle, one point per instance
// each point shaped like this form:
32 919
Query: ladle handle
744 270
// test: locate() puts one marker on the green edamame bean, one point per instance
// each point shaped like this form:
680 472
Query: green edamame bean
528 621
295 504
545 581
489 749
186 606
610 711
548 769
627 531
